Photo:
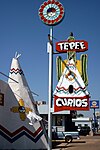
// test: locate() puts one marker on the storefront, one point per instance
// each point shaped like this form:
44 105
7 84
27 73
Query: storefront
62 119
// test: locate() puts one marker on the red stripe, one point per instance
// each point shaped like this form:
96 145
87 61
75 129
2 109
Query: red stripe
59 88
11 134
13 69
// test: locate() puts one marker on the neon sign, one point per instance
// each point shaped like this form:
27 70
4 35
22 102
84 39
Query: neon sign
51 12
75 45
77 103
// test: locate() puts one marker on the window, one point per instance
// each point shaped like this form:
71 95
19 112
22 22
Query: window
86 125
58 120
1 99
79 125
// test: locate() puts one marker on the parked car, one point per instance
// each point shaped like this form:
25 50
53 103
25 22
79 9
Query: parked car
67 136
62 136
84 130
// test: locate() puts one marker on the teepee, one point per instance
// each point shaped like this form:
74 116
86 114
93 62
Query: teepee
70 92
21 126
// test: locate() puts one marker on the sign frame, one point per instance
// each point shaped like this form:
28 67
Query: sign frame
94 104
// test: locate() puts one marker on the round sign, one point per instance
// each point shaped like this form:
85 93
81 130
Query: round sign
51 12
94 103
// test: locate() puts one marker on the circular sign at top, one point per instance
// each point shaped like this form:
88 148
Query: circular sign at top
51 12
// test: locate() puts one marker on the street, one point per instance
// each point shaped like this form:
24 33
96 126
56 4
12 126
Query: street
85 142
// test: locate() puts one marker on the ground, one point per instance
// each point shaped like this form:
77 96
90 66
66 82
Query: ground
85 142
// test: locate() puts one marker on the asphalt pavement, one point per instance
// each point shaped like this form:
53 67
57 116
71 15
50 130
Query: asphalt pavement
84 143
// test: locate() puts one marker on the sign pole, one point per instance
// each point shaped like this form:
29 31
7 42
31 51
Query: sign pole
94 104
94 120
51 12
50 89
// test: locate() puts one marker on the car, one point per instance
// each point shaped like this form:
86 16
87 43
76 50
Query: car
62 136
84 130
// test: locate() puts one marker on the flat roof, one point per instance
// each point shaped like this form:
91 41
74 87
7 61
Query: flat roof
79 119
43 109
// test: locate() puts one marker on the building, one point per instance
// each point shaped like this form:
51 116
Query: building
83 122
65 120
62 119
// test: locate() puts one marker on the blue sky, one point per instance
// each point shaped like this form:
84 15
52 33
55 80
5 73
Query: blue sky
21 30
